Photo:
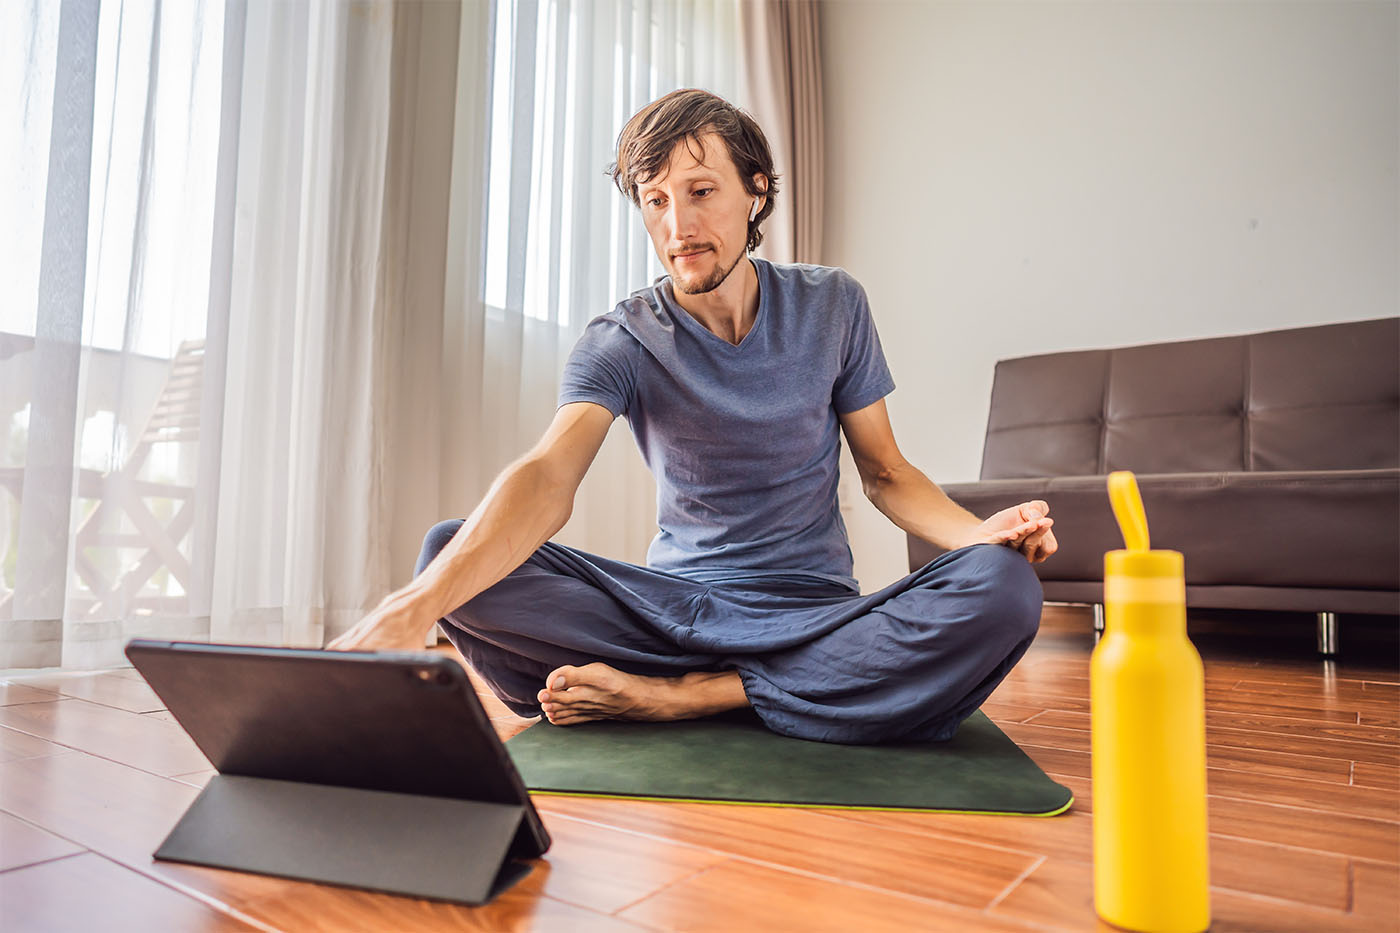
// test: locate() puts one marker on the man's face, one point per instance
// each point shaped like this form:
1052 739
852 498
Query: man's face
697 214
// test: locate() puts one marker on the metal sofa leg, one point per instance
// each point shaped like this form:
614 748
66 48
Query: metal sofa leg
1327 634
1098 618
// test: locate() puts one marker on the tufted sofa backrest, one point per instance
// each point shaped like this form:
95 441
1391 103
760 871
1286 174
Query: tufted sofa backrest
1307 398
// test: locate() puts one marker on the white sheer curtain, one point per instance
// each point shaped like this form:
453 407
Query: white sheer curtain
336 313
562 245
107 214
286 285
225 242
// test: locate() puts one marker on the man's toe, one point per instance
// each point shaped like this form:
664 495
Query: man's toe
561 677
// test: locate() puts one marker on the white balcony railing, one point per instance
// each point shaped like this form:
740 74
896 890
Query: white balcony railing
133 483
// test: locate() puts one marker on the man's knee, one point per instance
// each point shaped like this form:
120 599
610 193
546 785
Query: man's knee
435 540
1015 597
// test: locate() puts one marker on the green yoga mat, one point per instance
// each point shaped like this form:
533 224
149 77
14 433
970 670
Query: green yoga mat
735 759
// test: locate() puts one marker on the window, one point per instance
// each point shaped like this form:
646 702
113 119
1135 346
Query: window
561 244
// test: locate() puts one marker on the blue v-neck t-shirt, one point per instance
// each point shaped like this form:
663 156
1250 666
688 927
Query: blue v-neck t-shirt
743 440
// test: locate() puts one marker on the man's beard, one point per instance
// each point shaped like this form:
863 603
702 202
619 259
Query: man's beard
710 283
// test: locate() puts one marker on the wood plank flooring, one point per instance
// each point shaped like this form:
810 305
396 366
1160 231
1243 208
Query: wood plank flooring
1303 764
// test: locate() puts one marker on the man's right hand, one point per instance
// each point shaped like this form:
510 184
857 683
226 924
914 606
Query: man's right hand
526 505
394 625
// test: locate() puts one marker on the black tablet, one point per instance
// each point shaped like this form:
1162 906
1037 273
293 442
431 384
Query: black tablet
368 750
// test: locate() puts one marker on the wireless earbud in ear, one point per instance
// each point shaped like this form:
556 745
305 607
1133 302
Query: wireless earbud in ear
753 213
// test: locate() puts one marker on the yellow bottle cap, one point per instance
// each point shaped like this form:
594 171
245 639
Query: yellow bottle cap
1138 560
1159 563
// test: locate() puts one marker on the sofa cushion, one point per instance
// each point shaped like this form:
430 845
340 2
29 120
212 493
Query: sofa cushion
1330 529
1325 399
1307 398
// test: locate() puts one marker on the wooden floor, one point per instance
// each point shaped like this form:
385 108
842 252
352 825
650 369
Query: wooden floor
1304 785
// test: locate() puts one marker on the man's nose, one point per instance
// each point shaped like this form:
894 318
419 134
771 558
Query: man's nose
681 218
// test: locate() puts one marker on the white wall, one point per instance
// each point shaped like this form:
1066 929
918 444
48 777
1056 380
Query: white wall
1017 178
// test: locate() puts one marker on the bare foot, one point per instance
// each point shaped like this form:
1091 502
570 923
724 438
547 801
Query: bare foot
597 691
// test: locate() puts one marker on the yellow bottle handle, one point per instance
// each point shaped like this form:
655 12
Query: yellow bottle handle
1123 495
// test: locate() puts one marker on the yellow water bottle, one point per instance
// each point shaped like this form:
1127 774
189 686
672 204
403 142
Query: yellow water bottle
1147 701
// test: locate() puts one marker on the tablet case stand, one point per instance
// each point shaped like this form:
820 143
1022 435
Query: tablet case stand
432 847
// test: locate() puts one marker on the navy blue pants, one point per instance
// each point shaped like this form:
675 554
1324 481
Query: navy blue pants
817 661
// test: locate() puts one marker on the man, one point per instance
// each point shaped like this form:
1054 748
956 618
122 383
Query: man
737 377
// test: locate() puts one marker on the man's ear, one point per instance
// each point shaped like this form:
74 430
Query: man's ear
760 182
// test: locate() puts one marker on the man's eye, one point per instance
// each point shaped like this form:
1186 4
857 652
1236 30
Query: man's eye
652 202
703 191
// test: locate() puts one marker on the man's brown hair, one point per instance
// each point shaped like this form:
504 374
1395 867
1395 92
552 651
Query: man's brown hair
645 144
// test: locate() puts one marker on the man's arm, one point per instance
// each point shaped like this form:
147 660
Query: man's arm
913 502
526 505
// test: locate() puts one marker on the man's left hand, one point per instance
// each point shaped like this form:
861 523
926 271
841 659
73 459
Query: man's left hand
1025 527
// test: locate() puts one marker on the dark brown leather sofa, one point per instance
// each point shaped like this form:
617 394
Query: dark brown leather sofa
1271 460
